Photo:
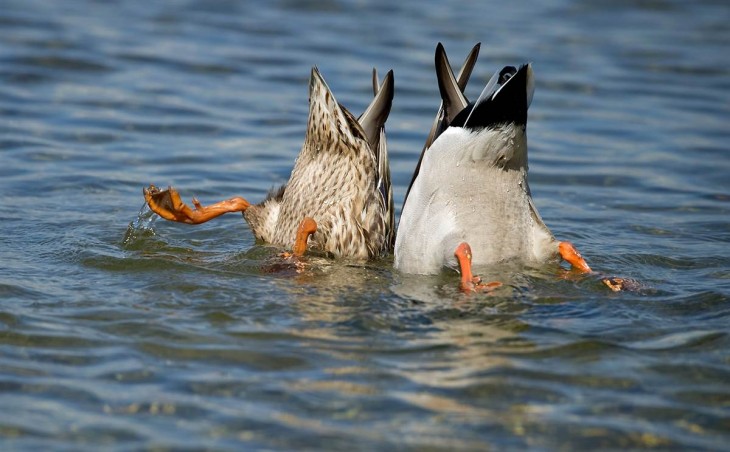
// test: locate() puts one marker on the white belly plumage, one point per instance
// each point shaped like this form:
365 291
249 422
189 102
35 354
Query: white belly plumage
464 194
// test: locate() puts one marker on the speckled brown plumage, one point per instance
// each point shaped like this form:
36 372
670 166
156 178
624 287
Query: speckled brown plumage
341 179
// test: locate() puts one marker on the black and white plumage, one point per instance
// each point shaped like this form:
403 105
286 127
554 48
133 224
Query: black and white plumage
471 185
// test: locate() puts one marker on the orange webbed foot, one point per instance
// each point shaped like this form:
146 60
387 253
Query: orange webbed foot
616 284
469 282
573 257
622 284
169 205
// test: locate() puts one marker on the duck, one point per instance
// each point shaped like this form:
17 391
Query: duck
469 201
338 199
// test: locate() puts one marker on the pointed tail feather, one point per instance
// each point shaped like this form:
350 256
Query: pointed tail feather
374 117
386 190
376 82
441 122
328 120
452 98
373 122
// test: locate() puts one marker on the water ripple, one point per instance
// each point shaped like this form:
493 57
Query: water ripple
121 331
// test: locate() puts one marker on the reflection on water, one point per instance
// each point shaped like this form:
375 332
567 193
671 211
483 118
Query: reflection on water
121 331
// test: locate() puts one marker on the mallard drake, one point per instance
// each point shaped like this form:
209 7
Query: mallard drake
470 191
338 198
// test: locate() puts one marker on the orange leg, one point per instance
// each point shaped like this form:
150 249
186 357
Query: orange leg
306 228
469 282
616 284
573 257
168 205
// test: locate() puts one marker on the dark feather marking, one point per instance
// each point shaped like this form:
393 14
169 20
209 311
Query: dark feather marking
507 106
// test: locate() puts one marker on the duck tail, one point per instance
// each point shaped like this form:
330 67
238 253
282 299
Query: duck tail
329 122
452 99
440 123
456 88
374 117
386 189
373 123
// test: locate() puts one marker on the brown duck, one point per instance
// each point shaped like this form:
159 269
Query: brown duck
338 198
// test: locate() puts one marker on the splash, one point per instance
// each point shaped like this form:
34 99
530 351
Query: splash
140 227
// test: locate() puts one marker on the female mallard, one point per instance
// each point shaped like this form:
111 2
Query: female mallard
470 189
339 193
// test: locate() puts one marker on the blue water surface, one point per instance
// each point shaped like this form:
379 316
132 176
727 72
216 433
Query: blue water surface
123 331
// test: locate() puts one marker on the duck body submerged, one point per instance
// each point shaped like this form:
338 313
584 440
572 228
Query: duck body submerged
472 187
338 198
341 179
471 184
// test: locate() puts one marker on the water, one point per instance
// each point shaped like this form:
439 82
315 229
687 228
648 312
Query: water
166 336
